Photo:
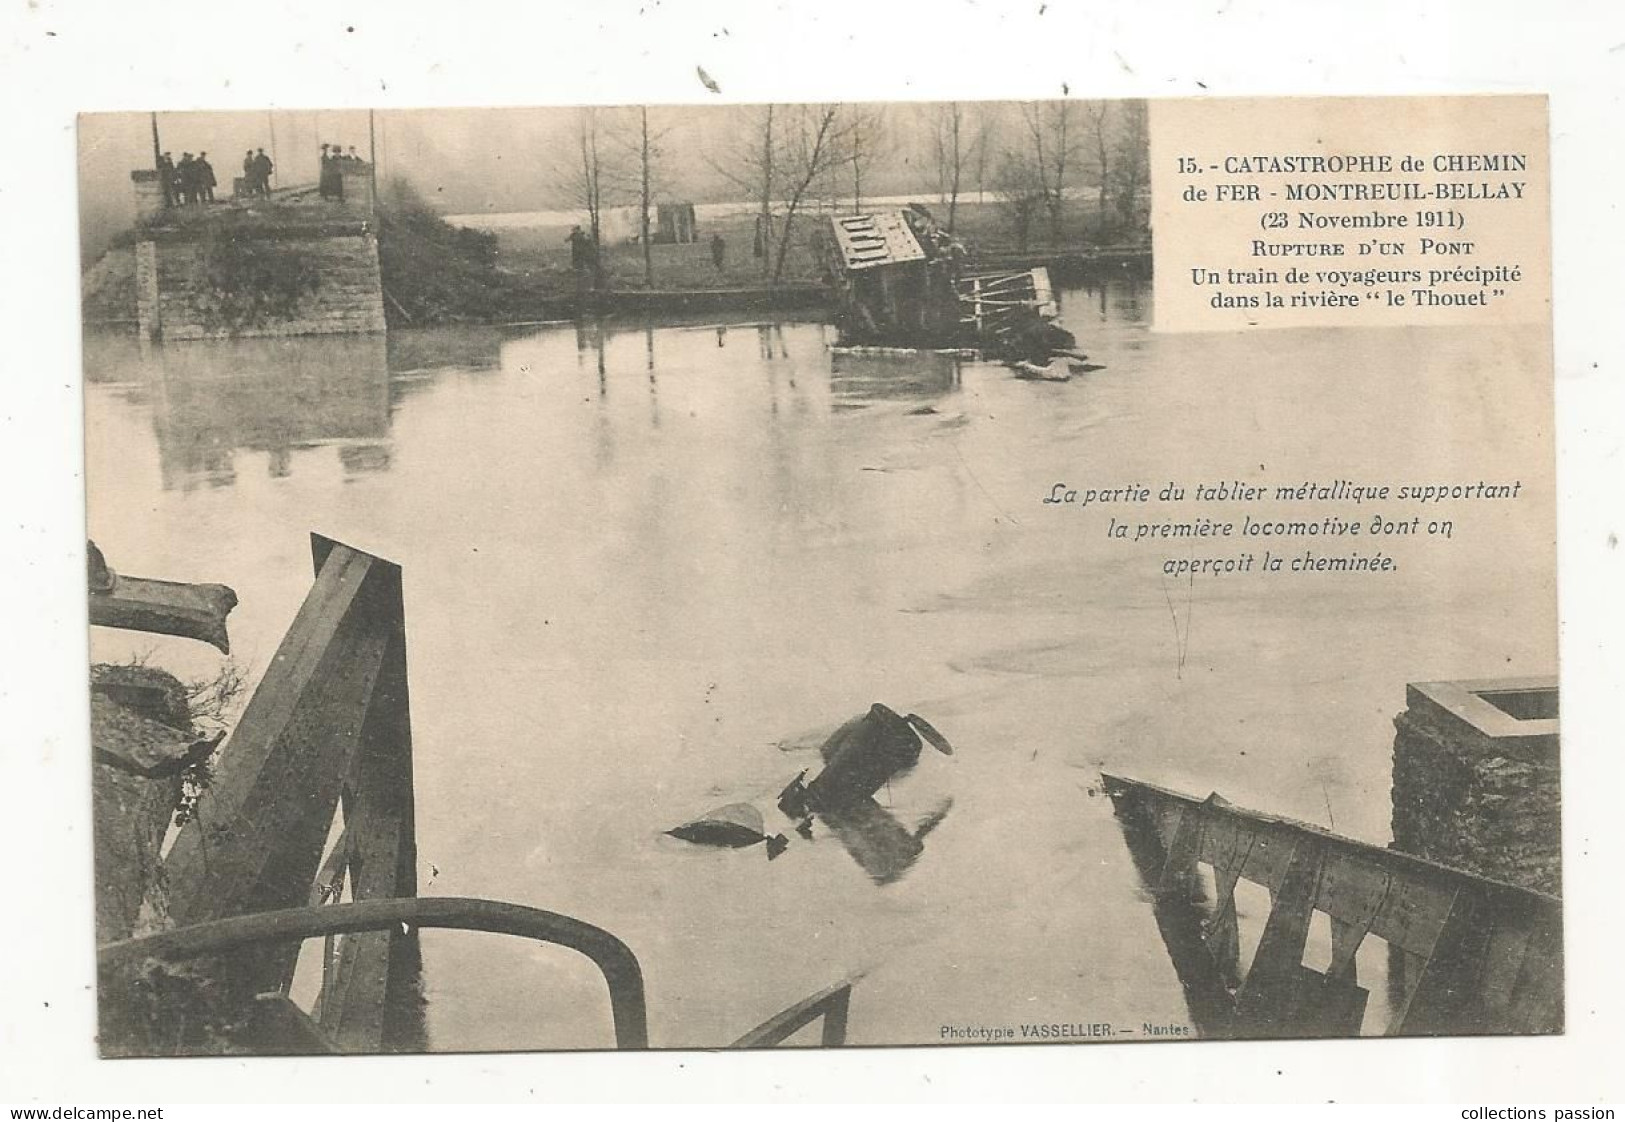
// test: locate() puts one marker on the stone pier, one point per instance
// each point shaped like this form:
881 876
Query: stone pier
1475 782
284 264
253 282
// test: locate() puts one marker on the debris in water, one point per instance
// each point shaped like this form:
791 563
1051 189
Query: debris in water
734 826
1050 372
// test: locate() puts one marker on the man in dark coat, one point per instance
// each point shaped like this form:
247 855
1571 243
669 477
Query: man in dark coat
205 178
333 172
186 176
166 179
719 251
262 172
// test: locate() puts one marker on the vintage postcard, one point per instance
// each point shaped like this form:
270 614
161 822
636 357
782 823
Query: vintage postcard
1076 571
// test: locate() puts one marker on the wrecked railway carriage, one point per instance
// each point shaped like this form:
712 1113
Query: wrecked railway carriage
899 279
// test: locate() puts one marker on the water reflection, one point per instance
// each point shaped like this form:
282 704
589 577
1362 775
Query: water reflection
881 845
460 348
1103 300
211 401
860 380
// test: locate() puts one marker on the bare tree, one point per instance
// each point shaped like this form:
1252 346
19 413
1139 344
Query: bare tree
768 146
987 123
590 178
1053 142
1022 193
949 146
865 131
1097 115
816 143
751 166
645 157
1131 166
644 150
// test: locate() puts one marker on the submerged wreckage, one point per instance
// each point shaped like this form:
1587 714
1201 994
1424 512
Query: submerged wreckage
900 280
862 756
306 831
1465 953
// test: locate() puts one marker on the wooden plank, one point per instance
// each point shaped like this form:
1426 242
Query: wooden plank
1165 819
1351 892
266 854
1315 1005
161 607
1441 989
1267 995
1223 842
283 688
1351 889
257 840
1346 940
1221 934
1503 964
303 824
1269 857
1179 870
1413 914
370 980
327 887
1537 999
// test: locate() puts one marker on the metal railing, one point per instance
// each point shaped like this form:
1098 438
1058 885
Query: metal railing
1467 954
615 961
831 1004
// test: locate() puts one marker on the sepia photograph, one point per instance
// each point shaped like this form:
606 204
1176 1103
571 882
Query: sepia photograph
740 575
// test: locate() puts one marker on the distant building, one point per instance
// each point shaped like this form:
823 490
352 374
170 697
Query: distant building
675 225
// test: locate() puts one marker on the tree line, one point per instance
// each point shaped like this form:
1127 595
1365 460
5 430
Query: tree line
1042 164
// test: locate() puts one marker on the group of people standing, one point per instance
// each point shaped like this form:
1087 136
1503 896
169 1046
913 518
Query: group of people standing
257 169
334 160
190 181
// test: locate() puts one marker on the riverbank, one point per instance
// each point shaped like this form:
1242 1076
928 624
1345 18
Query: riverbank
437 274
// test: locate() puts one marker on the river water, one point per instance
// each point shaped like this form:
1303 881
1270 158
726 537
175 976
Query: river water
647 565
